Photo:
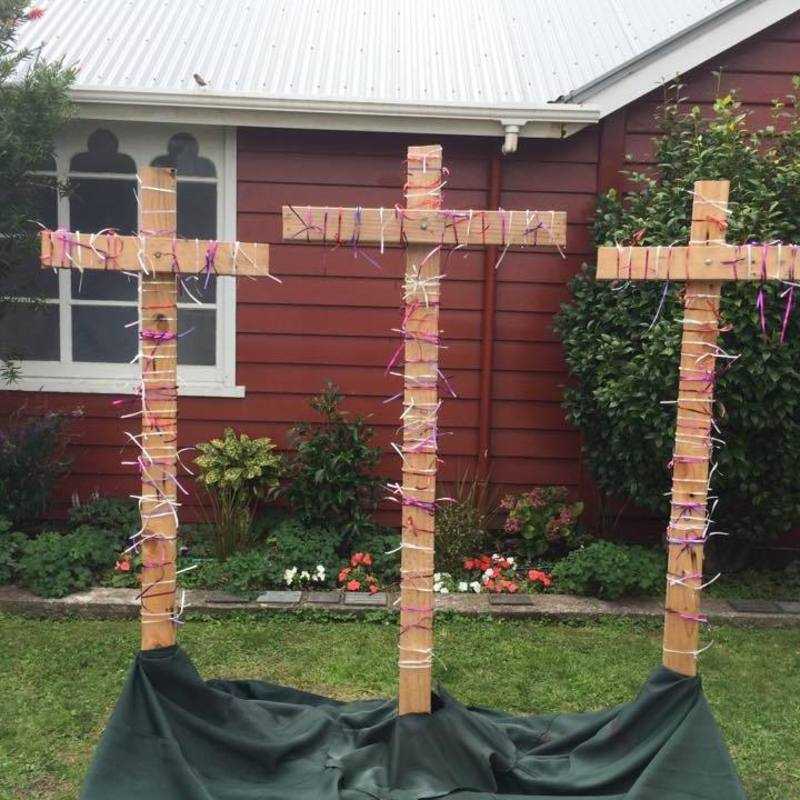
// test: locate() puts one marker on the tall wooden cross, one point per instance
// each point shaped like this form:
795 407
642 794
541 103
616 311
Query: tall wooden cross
158 257
425 228
703 265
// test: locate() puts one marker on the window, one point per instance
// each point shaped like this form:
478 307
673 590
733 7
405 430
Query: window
82 339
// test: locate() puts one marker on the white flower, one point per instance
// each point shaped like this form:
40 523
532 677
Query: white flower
495 557
489 573
437 576
475 586
444 590
463 586
288 575
437 587
486 577
510 560
320 570
305 575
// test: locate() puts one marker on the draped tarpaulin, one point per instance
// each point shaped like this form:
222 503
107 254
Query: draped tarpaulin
174 736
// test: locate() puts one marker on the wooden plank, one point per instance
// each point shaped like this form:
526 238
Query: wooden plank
693 431
158 314
713 262
424 225
151 253
423 192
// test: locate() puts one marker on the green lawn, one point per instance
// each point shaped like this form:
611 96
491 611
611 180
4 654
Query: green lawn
59 680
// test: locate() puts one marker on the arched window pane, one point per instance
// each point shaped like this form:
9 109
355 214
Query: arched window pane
99 203
183 155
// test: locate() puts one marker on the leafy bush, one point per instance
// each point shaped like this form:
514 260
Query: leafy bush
625 361
237 473
330 482
115 515
292 545
544 519
56 564
607 570
32 459
11 545
462 527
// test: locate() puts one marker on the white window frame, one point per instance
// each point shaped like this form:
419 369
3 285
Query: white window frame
143 142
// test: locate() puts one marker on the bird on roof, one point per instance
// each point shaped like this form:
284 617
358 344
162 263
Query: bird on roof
199 79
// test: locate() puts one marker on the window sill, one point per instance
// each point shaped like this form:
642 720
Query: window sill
118 386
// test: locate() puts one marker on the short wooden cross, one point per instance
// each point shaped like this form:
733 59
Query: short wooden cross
158 257
425 228
703 265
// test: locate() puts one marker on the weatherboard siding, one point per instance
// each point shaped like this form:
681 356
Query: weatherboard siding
331 318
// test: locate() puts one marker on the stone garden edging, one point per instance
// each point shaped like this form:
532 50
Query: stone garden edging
103 603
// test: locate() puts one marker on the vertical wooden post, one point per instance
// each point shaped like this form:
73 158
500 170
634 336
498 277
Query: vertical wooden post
693 431
423 191
158 324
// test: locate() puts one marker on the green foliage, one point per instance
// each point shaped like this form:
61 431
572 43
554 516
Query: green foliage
544 519
31 461
462 527
293 545
11 544
118 516
56 564
608 571
237 472
625 364
34 105
330 482
380 541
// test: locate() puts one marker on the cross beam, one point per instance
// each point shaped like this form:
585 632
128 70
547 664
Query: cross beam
704 265
424 228
110 252
712 262
158 257
421 222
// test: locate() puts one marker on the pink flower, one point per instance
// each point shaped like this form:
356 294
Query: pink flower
123 565
35 13
353 586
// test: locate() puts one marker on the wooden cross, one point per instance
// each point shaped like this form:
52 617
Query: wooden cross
158 257
425 228
703 265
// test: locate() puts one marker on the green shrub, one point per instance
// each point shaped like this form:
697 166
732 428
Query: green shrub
544 519
462 527
32 459
607 570
118 516
290 544
11 545
626 364
237 472
56 564
330 486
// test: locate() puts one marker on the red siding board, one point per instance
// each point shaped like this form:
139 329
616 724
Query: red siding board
331 318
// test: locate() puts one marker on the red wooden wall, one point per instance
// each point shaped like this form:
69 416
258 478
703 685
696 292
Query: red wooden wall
331 317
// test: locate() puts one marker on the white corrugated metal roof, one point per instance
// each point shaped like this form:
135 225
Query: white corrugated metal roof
483 53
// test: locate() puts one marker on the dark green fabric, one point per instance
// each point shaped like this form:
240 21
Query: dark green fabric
174 736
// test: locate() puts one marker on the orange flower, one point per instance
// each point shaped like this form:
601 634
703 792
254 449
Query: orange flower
469 563
353 586
373 588
35 13
537 576
512 587
123 565
343 573
356 559
366 559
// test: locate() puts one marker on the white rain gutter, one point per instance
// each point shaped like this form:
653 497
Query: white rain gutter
548 120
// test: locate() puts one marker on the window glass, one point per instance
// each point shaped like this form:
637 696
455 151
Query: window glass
199 344
99 333
99 203
30 334
34 281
